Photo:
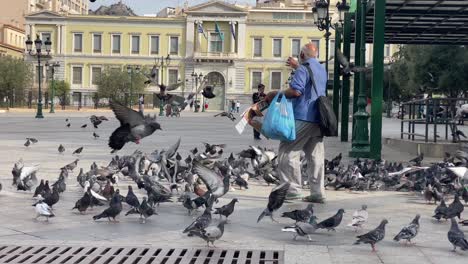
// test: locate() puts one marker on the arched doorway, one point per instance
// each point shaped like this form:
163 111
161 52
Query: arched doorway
216 80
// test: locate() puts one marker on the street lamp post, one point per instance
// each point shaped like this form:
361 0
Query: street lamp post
162 62
322 20
131 69
198 78
51 68
38 53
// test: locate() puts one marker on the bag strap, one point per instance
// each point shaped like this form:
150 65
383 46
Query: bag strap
311 75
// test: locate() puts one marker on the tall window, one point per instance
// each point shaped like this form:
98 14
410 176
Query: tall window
277 47
332 48
97 43
276 80
135 44
77 75
95 75
173 76
387 51
257 47
44 36
115 43
295 47
256 79
78 42
216 43
174 45
154 43
316 42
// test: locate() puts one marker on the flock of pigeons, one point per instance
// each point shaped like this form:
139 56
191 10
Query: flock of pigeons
202 177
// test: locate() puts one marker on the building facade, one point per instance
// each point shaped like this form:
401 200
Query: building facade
12 41
234 47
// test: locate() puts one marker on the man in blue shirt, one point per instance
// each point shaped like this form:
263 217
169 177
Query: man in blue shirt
309 138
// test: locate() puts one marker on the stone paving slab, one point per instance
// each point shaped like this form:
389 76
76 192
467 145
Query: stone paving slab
164 230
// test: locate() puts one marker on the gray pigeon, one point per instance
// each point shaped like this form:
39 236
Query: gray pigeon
440 211
210 233
27 143
332 222
227 209
455 208
95 135
78 151
200 223
302 215
374 236
33 140
303 228
61 149
133 126
275 201
410 231
457 237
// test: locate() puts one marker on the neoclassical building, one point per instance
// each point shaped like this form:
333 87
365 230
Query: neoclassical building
235 47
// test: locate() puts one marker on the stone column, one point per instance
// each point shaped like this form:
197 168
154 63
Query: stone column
233 40
189 36
241 38
64 39
198 45
58 40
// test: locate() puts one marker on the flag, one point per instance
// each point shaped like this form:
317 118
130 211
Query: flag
233 30
217 30
200 30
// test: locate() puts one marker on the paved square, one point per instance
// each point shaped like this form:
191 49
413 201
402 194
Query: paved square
164 230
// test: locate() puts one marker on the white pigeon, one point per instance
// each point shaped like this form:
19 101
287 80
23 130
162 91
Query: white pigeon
461 172
93 193
43 209
360 217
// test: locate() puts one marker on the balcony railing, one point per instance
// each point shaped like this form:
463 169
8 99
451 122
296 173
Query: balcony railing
215 55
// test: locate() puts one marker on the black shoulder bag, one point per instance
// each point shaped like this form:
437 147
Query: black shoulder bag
328 123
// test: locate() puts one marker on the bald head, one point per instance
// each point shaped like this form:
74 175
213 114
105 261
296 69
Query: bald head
309 50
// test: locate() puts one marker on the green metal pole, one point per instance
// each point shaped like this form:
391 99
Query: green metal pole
347 27
131 88
336 73
377 80
357 61
39 103
52 107
360 147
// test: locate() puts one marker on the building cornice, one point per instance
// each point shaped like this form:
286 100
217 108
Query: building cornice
13 28
11 47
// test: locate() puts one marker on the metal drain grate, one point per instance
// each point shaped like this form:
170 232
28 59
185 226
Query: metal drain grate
134 255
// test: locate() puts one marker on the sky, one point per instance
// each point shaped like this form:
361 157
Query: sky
141 7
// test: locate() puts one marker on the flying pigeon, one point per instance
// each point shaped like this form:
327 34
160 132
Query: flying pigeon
228 115
33 140
302 215
27 143
71 166
115 207
332 222
133 126
457 237
359 218
410 231
78 151
348 67
226 210
303 228
84 126
275 201
374 236
42 209
218 185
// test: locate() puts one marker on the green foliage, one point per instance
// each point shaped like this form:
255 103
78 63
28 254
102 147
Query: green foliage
15 77
431 69
115 83
62 90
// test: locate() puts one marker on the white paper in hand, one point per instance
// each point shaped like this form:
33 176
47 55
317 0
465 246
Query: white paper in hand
240 127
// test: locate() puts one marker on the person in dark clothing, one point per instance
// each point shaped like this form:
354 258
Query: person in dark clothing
257 97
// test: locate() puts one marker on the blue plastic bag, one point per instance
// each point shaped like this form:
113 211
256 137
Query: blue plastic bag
279 121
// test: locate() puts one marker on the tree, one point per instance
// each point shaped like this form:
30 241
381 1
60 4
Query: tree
15 76
114 84
62 90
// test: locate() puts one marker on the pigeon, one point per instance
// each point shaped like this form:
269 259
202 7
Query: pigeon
115 207
194 204
60 184
239 181
208 92
457 237
61 149
27 143
39 189
374 236
97 120
68 125
465 195
441 211
228 115
275 201
78 151
95 135
332 222
428 193
303 228
200 223
455 208
71 166
217 185
84 202
210 233
348 67
417 161
359 218
410 231
133 126
131 199
227 209
52 198
42 209
84 126
213 148
144 210
33 140
300 215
